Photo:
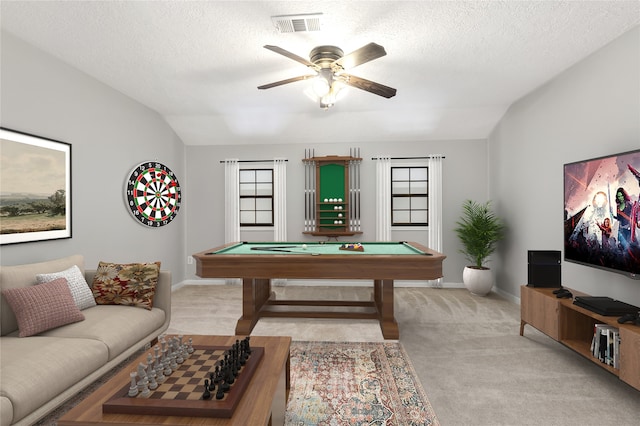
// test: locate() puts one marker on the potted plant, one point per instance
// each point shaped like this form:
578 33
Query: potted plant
479 231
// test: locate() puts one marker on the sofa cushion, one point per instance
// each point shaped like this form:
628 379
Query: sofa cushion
6 411
118 327
36 369
24 276
43 307
132 284
80 290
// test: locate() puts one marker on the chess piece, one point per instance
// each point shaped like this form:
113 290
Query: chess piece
220 393
216 375
142 371
145 388
212 385
153 384
166 362
206 394
142 377
180 354
173 360
160 378
247 346
133 389
224 384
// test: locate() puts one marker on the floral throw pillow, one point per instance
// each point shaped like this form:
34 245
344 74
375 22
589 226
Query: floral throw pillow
132 284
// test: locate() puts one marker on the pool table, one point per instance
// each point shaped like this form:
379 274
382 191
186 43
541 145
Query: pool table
256 263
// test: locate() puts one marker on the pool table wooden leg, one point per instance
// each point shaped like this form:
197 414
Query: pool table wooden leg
383 297
255 293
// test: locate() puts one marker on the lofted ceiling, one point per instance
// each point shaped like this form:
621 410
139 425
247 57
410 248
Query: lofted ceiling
457 65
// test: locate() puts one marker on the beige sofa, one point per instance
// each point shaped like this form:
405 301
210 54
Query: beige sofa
40 372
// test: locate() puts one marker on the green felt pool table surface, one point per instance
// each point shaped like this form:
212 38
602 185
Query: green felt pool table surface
330 247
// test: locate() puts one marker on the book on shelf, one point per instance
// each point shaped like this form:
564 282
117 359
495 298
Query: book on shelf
606 344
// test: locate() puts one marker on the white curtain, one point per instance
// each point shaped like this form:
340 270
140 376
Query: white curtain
435 207
383 198
280 199
279 206
232 204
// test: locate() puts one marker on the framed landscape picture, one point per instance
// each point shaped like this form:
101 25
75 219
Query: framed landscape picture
35 188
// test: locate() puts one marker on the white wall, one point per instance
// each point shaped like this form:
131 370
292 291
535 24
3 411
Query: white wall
464 175
110 134
591 110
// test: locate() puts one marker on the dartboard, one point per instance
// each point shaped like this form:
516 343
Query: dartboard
153 194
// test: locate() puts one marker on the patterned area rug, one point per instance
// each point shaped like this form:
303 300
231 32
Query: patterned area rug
335 384
355 384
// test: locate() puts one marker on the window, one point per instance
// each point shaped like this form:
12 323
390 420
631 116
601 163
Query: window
409 196
256 197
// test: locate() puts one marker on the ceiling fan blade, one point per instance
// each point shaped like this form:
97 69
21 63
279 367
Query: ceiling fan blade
293 56
369 86
360 56
287 81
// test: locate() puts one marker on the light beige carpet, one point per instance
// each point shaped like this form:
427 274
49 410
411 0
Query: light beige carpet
466 350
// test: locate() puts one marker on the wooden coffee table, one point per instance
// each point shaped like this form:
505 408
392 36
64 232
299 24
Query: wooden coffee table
263 402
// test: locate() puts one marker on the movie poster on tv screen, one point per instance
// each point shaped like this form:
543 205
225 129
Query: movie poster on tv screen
602 212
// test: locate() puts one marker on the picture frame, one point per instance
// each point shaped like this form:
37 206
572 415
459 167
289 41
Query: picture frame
35 188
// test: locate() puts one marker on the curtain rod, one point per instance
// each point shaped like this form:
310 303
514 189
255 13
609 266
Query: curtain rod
406 158
255 161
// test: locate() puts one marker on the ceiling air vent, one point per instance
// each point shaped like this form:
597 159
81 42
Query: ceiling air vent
297 23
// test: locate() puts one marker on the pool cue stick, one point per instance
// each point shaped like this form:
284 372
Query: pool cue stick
272 247
306 193
314 195
352 187
269 248
310 199
357 167
352 194
358 191
354 207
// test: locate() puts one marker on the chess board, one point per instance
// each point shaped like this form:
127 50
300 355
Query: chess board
181 393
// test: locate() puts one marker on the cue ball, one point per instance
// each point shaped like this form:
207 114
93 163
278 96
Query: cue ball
304 246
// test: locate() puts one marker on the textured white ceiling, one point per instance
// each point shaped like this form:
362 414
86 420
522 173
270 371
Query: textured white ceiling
457 65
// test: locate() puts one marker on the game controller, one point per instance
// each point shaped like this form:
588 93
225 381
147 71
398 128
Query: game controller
563 293
560 290
633 318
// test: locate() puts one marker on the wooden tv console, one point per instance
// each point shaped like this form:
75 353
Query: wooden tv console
573 326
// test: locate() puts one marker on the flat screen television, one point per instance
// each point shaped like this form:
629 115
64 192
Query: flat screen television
602 213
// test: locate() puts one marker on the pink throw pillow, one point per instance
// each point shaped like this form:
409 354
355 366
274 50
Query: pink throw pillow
42 307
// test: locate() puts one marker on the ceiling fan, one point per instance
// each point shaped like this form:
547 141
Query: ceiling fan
330 64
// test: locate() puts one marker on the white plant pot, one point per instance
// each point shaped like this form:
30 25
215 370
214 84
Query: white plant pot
478 281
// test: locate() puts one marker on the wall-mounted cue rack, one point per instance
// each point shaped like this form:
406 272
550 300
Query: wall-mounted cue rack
332 195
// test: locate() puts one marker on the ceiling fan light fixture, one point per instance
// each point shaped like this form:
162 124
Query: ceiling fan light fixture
333 95
329 63
322 83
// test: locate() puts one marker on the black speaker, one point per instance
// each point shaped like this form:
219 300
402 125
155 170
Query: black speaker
544 269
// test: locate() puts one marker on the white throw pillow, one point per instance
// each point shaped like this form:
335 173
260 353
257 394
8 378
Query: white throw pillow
80 290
